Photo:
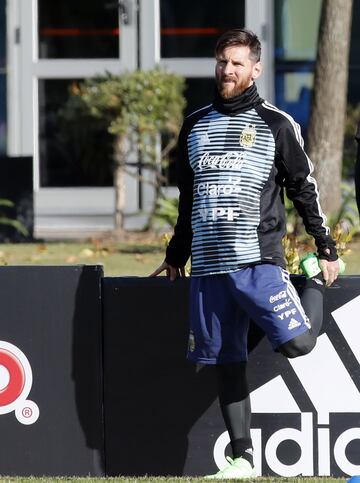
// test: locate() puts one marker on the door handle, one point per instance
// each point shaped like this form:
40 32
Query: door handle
124 10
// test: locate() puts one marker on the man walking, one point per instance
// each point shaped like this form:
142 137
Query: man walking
235 158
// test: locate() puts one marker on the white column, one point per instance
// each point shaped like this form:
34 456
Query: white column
128 38
19 78
259 17
13 76
149 33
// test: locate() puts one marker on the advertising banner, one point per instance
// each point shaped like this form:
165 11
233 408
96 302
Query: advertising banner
88 363
306 411
50 371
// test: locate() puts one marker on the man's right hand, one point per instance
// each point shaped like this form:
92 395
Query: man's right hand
172 272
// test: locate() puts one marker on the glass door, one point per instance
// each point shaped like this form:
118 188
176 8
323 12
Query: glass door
73 41
55 45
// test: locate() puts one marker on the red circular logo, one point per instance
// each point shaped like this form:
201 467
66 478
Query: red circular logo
17 377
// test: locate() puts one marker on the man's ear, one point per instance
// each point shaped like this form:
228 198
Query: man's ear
256 71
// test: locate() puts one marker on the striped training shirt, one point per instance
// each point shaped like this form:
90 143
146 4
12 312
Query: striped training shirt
232 170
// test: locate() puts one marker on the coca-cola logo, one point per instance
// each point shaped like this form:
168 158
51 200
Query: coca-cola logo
15 384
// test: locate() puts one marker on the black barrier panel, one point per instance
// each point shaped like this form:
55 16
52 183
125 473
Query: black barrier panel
152 395
162 415
51 415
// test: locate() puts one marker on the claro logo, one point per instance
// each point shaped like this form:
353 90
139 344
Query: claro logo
326 437
15 384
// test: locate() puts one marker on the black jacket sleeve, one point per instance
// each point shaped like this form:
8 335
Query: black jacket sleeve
179 248
357 168
301 187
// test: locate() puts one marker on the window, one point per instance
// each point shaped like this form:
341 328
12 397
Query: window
296 32
190 29
75 153
296 29
78 29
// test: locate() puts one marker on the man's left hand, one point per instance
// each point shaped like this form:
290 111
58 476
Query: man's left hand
330 271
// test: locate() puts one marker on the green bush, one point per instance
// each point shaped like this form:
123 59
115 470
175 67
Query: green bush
5 220
136 107
167 211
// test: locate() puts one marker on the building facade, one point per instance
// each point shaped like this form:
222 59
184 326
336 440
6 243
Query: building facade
50 45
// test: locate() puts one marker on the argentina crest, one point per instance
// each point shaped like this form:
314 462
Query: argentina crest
248 136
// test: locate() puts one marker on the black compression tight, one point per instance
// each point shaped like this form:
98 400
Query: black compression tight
235 406
312 300
233 388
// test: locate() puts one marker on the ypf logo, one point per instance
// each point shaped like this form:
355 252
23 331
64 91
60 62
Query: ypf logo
15 384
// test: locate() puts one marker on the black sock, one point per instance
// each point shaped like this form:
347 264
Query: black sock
243 448
235 407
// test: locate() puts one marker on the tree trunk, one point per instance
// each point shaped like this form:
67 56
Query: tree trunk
119 185
327 121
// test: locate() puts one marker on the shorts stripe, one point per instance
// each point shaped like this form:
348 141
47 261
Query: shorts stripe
293 294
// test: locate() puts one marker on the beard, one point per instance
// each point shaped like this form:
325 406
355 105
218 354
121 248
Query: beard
234 88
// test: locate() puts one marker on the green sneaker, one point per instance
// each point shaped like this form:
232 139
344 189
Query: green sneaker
238 468
310 265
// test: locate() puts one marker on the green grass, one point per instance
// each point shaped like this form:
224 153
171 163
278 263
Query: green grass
137 258
125 259
352 259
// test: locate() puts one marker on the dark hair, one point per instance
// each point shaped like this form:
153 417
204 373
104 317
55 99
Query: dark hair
239 37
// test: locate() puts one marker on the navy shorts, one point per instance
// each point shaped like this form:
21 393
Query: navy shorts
221 307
